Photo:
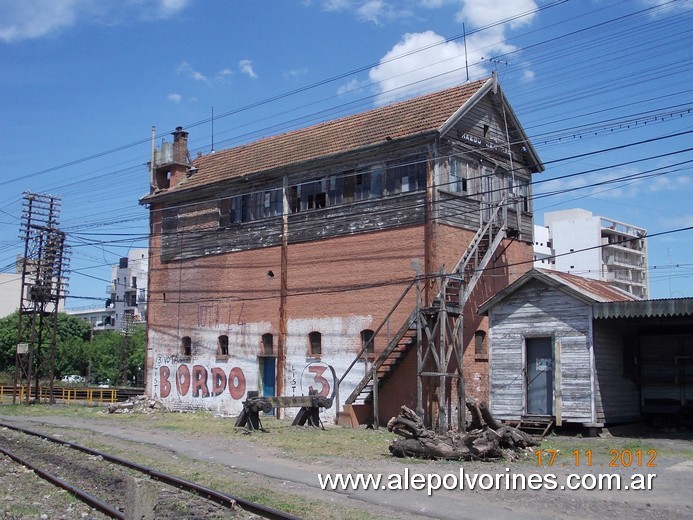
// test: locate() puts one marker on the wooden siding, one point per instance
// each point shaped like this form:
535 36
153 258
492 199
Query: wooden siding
204 236
537 310
617 398
576 380
480 138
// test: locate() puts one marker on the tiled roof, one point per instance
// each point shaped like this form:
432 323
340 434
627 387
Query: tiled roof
409 118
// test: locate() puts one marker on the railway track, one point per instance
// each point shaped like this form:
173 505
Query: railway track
106 483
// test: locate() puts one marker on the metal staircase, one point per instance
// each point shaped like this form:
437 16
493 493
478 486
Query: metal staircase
456 289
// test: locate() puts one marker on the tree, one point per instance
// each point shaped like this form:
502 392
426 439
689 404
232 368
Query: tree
71 336
106 354
99 358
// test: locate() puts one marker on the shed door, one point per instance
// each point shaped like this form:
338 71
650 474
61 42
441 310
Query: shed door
539 372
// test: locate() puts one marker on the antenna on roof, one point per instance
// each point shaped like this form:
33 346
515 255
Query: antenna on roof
464 39
212 130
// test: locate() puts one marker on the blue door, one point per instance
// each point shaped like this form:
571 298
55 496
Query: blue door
539 376
268 376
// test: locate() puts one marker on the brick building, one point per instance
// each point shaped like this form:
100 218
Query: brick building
362 244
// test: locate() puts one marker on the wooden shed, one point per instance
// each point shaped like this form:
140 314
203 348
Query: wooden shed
549 357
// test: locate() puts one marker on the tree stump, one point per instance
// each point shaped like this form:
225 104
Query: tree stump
486 440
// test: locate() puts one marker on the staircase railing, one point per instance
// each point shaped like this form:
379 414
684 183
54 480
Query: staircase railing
470 252
370 342
459 269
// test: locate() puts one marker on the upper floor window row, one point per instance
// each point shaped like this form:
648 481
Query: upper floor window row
347 187
471 178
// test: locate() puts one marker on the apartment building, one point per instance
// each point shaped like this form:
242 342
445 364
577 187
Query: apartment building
578 242
128 290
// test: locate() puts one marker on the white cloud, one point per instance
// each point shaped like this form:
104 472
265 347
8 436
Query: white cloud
425 61
170 7
352 86
406 70
480 13
246 67
373 11
36 18
666 6
186 69
295 73
175 98
31 19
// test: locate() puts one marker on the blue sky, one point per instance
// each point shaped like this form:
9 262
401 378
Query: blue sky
603 89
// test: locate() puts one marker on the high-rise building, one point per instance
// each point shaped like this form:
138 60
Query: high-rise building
128 290
576 241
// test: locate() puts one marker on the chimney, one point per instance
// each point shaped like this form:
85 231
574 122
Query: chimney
180 146
174 166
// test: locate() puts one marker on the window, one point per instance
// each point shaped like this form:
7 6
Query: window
250 206
315 339
480 344
522 195
407 175
368 341
267 344
186 346
457 181
223 346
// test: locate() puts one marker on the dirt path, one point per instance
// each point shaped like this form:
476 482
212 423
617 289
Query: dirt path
670 496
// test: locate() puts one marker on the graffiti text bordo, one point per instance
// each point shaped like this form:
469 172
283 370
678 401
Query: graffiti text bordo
200 381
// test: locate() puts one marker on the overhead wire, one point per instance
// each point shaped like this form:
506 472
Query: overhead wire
105 222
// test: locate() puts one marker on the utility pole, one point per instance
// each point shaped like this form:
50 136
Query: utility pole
43 268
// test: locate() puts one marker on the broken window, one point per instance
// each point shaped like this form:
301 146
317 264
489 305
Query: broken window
250 206
295 199
457 178
407 175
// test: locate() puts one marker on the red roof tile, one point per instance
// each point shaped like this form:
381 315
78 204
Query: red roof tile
409 118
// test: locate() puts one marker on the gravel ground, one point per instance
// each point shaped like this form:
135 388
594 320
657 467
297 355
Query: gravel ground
236 466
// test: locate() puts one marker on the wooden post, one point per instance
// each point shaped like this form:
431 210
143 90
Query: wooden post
283 289
419 351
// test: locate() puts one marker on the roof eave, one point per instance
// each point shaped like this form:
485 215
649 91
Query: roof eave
163 195
490 85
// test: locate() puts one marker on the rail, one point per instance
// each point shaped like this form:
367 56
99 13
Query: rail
212 495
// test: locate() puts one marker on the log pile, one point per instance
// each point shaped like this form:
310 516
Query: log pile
484 439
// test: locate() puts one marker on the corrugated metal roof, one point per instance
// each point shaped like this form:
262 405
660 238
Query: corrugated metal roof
406 119
583 289
596 290
644 308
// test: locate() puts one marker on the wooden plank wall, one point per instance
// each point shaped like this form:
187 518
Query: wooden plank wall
204 236
539 311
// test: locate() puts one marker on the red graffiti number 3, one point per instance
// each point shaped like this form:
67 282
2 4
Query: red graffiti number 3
324 383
